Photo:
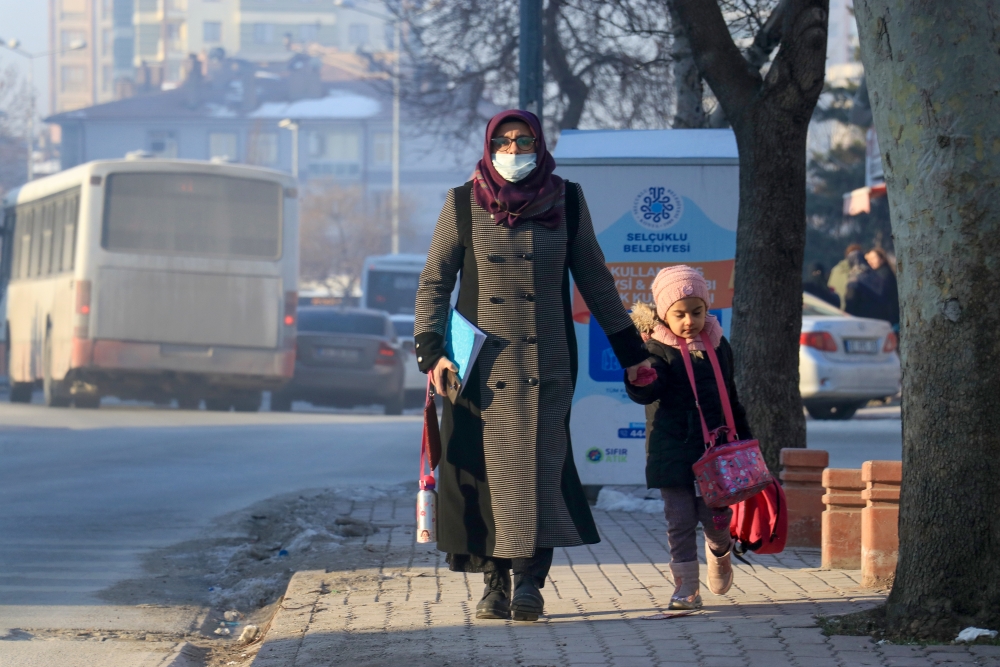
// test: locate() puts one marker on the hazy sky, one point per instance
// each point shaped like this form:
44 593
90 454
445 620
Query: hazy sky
26 20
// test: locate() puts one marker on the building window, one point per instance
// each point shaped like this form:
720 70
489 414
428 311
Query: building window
222 145
211 31
263 33
308 33
357 34
262 148
107 78
70 7
107 8
335 153
74 78
69 38
162 143
382 148
107 41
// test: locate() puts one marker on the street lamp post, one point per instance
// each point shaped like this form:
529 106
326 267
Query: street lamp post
14 45
293 125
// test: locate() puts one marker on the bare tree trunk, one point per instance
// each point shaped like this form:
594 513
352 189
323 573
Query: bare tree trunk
932 76
571 86
770 118
690 109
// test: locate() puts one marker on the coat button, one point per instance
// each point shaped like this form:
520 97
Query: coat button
528 256
419 359
496 259
417 346
501 384
530 340
496 299
533 382
528 297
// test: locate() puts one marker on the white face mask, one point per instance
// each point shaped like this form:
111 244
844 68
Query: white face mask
514 166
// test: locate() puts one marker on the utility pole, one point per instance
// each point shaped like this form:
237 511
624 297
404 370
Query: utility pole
531 81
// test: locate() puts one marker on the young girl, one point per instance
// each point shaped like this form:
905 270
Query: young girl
674 439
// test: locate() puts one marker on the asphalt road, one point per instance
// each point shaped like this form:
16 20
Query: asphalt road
85 492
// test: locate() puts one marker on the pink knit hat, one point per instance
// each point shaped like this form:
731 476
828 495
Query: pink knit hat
675 283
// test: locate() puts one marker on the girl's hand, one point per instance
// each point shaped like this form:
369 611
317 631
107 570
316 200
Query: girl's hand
633 371
644 377
439 374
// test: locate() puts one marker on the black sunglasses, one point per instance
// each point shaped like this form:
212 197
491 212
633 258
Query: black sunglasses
524 143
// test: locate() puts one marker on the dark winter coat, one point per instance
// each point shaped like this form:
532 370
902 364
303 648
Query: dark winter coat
890 292
674 439
507 483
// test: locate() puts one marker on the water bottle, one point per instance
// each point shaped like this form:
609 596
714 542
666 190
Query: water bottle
427 511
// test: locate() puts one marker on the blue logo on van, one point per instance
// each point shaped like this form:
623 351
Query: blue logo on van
594 455
657 208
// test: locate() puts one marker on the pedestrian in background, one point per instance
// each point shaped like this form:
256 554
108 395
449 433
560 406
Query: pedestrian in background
865 296
840 274
508 491
879 262
815 284
674 439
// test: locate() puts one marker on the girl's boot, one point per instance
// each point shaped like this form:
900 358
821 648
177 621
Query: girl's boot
496 597
686 581
720 570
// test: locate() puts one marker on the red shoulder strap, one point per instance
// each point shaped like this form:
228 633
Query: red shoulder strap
727 408
686 356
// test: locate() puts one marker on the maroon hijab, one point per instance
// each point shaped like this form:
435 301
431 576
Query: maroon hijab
539 196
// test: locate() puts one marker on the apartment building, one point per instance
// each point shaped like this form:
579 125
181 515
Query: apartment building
83 77
167 31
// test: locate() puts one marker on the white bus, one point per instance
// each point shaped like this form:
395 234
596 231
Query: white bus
152 279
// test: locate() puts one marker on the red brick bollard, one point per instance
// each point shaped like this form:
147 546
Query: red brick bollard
880 522
802 477
841 542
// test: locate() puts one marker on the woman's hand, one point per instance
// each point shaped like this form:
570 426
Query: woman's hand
633 371
439 374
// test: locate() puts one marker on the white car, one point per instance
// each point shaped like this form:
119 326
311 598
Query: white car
415 382
844 361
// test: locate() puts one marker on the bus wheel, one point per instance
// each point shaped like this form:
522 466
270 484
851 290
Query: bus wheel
87 401
20 392
55 391
247 402
188 403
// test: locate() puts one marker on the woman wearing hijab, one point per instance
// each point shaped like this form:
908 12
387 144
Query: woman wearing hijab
508 490
865 296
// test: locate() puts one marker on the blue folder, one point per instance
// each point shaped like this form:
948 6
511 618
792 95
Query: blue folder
462 343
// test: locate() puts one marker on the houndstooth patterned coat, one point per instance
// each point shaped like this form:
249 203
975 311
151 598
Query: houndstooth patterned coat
507 484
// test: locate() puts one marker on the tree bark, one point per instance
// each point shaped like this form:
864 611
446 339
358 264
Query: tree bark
932 76
770 118
690 108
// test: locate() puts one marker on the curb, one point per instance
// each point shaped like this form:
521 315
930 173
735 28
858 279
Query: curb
282 636
185 655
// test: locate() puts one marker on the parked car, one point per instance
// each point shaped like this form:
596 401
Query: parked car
345 357
844 361
415 383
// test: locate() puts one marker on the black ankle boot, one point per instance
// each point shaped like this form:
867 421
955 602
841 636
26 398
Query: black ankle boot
528 602
496 597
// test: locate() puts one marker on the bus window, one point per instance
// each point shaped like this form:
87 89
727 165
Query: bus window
193 214
392 291
22 244
69 232
36 242
45 260
57 233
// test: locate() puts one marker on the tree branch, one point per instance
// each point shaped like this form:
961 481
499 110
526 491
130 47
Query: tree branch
720 62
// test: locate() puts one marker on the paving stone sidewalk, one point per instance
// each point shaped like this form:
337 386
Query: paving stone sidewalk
413 612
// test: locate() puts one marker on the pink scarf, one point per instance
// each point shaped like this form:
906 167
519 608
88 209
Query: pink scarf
663 334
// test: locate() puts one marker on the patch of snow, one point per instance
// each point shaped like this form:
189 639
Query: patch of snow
248 594
338 104
613 500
